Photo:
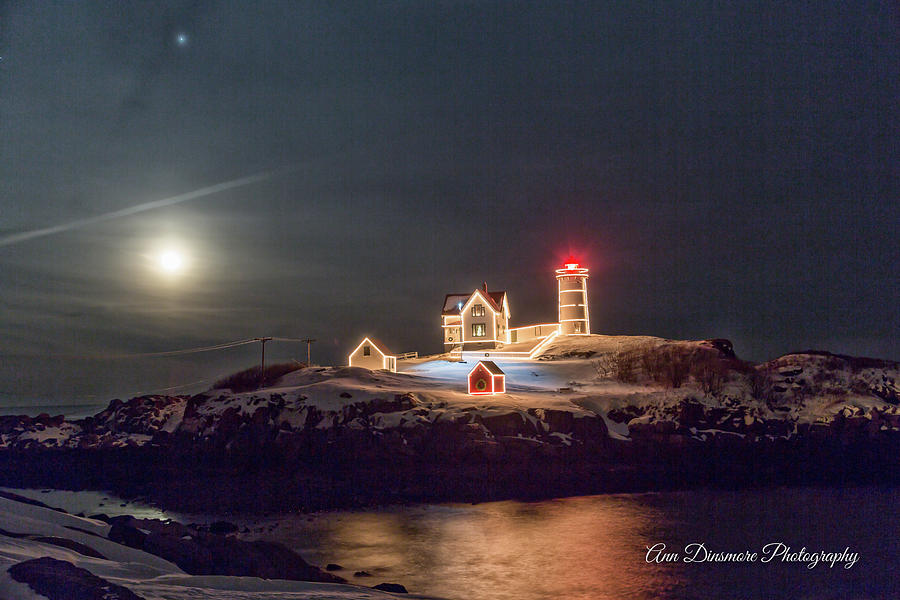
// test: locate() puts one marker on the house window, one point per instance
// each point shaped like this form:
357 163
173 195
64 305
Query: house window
477 329
478 310
578 327
367 351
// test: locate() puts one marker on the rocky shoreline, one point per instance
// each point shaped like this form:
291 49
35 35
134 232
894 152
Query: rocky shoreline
353 475
635 415
157 545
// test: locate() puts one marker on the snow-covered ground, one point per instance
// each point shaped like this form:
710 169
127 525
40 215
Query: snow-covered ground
572 374
146 575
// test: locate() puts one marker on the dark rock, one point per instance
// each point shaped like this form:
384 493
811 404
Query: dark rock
22 499
333 567
888 394
213 554
591 430
395 588
362 574
560 421
346 395
69 544
623 415
508 424
222 527
190 556
61 580
691 414
725 347
127 535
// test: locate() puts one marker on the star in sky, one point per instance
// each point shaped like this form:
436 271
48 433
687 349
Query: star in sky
181 39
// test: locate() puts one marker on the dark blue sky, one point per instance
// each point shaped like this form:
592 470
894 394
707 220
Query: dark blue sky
725 171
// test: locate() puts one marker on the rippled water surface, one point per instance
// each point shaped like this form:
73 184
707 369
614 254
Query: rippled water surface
595 547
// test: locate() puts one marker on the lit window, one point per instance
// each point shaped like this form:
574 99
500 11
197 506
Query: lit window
477 329
367 351
478 310
577 326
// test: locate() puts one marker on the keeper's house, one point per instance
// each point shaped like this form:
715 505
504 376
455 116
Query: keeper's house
477 323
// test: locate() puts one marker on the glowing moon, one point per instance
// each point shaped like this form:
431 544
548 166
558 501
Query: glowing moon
170 261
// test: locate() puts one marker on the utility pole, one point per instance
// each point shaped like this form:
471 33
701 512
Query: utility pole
309 342
262 362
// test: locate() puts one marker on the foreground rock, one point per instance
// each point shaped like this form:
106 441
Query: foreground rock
200 552
61 580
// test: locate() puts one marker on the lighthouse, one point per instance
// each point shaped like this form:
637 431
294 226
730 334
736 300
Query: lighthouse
573 299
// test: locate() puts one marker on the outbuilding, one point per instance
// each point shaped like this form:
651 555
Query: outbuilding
486 378
374 355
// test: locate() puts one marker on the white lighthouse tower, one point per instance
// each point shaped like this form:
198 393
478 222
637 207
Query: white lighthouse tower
573 299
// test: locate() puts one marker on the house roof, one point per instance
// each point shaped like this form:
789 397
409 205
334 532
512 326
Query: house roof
452 301
379 345
490 365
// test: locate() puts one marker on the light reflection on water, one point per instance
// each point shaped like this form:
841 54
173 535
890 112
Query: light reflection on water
594 547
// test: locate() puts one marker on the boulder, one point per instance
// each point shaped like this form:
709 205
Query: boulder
61 580
213 554
222 527
507 424
560 421
125 534
394 588
190 556
68 544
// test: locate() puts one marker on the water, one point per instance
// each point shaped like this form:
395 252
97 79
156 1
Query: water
70 411
591 547
595 547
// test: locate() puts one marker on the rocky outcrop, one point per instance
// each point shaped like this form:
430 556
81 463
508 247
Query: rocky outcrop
201 552
347 436
394 588
61 580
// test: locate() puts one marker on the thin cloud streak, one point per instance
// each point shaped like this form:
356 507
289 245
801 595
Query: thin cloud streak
133 210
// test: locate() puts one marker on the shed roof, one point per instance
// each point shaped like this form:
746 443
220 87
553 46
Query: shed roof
379 345
490 365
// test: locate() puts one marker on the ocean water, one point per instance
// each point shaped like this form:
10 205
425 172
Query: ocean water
70 411
596 547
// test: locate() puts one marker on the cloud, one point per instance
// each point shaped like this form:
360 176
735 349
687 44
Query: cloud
133 210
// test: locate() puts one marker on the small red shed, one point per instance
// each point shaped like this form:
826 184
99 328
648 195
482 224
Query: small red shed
486 378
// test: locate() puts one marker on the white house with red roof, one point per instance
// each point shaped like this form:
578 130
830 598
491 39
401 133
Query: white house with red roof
478 322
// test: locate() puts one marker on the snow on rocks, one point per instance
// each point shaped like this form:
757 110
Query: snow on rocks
31 567
580 386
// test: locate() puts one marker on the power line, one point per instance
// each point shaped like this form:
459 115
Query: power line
174 387
308 341
222 346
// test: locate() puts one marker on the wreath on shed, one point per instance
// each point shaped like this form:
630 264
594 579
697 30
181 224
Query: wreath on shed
481 384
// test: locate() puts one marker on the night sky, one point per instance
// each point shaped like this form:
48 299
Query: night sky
724 170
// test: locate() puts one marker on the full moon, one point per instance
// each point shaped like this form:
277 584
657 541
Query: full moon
170 261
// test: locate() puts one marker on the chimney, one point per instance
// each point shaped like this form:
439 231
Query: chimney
484 286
